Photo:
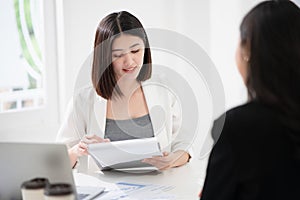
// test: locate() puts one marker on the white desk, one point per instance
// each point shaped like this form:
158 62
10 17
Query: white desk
187 180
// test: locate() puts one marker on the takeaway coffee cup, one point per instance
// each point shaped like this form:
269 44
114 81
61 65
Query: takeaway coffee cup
34 189
59 191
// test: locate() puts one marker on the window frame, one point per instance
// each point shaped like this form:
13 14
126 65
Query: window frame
40 124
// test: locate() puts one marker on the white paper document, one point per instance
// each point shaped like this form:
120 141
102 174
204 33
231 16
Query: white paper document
136 191
126 154
84 180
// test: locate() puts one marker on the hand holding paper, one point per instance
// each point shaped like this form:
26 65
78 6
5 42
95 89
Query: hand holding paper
168 160
81 148
91 139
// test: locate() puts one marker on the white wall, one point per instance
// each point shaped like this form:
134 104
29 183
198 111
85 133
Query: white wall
225 19
297 2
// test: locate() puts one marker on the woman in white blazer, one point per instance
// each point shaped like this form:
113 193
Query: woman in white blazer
122 91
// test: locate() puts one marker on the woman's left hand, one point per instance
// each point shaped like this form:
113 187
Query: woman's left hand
168 160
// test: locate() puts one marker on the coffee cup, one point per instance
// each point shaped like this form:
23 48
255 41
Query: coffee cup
34 188
59 191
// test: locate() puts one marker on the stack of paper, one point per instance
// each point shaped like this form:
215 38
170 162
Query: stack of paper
126 154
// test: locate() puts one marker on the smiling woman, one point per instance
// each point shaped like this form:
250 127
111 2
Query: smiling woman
119 105
127 56
118 33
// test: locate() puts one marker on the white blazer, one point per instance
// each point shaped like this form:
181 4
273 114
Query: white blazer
86 114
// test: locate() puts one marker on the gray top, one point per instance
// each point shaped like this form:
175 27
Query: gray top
140 127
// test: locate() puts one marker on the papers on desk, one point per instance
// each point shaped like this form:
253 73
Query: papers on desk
84 180
126 154
125 190
133 191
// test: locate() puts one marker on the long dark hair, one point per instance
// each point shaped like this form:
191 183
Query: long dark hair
103 77
271 32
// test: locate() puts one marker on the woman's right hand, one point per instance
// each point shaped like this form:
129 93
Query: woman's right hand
81 148
90 139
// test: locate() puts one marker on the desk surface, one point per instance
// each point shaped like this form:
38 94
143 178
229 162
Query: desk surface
187 180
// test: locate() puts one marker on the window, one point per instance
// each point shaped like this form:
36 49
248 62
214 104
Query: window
29 109
22 68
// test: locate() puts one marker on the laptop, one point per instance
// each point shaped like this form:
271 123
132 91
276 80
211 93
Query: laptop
24 161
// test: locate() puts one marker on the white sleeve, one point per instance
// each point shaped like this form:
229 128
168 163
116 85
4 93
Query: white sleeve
73 127
182 138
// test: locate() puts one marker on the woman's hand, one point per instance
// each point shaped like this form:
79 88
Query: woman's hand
168 160
90 139
81 148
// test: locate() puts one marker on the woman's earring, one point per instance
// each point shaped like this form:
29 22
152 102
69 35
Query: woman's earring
246 58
